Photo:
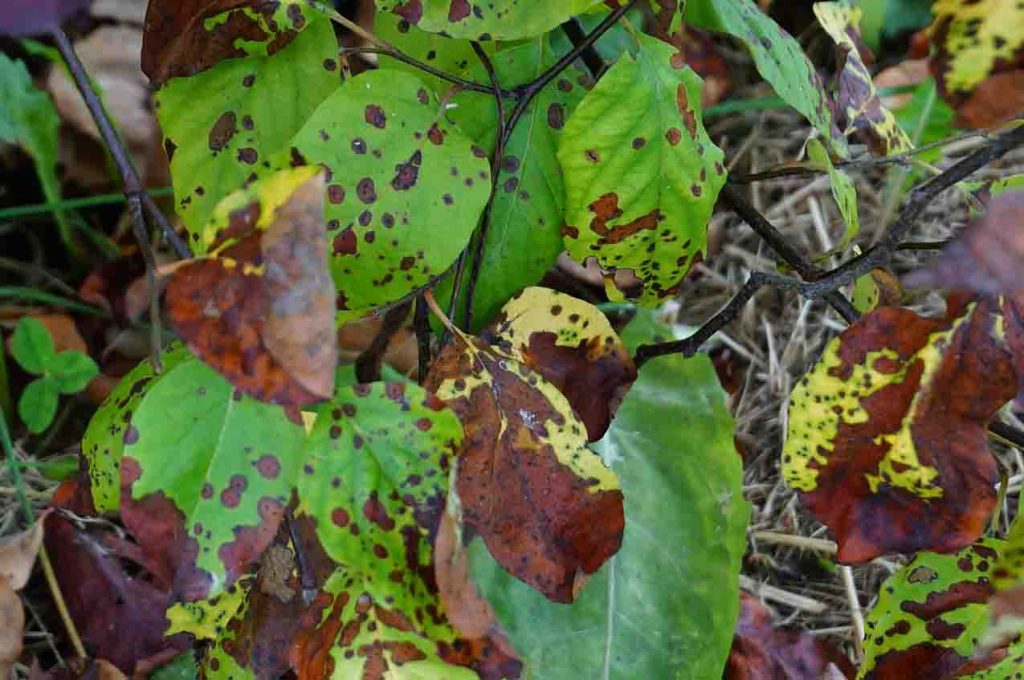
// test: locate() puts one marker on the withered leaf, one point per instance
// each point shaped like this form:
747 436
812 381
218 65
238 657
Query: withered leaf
12 624
260 309
547 507
572 345
18 554
886 440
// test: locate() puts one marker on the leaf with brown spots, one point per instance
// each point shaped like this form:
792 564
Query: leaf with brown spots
1006 608
548 508
930 615
223 125
260 309
486 19
856 98
641 173
978 59
886 440
572 345
405 188
762 651
205 476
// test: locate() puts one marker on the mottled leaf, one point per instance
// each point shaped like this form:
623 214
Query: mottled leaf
1006 608
572 345
778 57
32 345
856 98
886 439
405 188
665 606
523 238
206 473
221 126
104 439
978 59
641 173
32 17
761 650
260 310
987 256
549 510
485 19
930 616
843 190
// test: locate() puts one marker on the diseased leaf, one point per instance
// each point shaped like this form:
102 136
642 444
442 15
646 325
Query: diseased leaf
778 57
32 17
886 439
105 437
987 256
523 239
405 188
260 310
206 473
760 650
223 125
641 173
485 19
843 190
856 99
447 54
32 345
572 345
930 615
548 509
665 605
978 59
1006 608
185 37
38 404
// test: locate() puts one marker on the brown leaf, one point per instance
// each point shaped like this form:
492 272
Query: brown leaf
179 42
761 651
18 554
986 257
34 17
261 311
12 625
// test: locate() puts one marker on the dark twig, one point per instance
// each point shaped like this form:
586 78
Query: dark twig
307 578
421 325
1008 433
142 237
397 54
368 363
591 58
180 248
922 245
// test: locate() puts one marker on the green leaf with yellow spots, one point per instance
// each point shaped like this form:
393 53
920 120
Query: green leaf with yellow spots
548 508
206 473
485 19
779 59
223 125
104 440
886 434
977 58
843 190
855 97
405 187
641 173
930 616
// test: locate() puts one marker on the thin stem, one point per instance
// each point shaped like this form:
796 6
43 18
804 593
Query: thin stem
142 236
368 364
62 607
591 58
421 324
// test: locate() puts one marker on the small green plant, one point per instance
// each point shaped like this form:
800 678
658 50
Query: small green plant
66 372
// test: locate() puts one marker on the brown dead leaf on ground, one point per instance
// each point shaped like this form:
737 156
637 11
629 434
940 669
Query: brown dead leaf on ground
12 625
17 556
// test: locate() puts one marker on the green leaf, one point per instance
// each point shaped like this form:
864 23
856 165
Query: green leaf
926 119
73 371
523 237
665 606
843 190
32 345
104 440
223 125
206 473
641 173
405 188
28 119
778 57
182 667
485 19
376 472
38 404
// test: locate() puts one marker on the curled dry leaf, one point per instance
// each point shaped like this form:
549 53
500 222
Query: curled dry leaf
547 507
184 37
260 310
572 345
886 438
760 651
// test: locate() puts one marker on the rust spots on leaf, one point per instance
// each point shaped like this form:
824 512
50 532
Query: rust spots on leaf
683 104
374 115
458 10
224 128
606 208
407 173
